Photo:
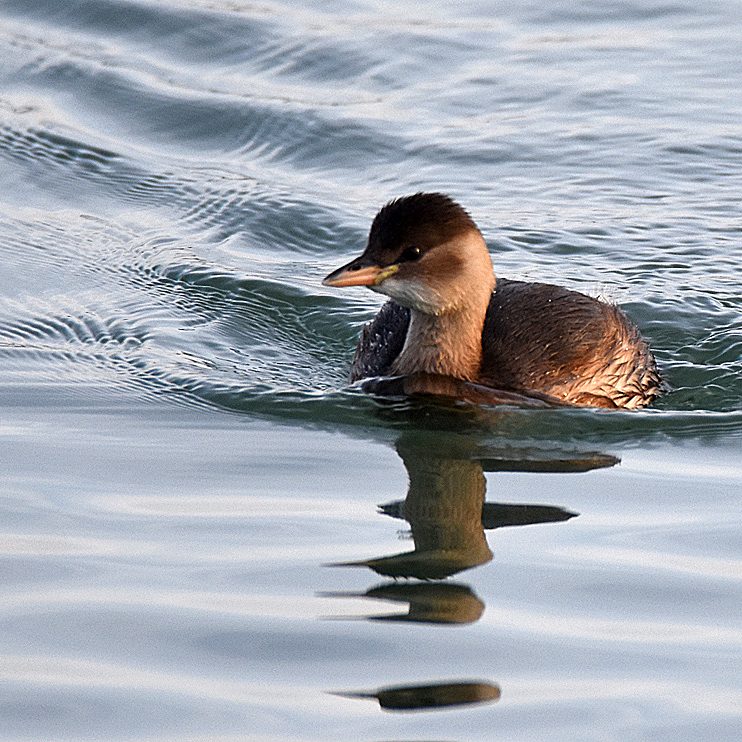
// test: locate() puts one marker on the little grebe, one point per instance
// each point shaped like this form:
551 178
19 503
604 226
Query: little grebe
450 316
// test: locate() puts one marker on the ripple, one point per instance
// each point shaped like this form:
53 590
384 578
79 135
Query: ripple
215 199
74 672
211 211
584 629
683 565
719 699
51 546
221 604
37 145
160 105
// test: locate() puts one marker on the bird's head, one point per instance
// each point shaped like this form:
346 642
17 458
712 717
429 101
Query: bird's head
425 252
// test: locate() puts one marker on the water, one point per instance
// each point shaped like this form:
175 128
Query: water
183 462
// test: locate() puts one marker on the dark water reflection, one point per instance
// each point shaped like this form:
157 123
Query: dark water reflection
447 513
426 602
426 697
445 503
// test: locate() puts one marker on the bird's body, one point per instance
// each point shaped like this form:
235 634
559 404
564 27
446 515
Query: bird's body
536 338
448 316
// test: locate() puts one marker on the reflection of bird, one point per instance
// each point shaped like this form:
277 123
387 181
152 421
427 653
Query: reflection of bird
445 503
427 602
444 509
450 317
424 697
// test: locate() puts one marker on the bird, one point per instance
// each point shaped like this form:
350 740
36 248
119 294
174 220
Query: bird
450 317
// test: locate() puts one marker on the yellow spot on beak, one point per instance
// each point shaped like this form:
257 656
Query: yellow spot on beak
384 273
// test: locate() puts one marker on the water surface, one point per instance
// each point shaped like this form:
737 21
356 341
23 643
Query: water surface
184 464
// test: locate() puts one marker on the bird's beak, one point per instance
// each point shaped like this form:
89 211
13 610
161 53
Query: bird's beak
359 272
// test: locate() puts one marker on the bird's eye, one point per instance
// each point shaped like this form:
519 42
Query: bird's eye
410 253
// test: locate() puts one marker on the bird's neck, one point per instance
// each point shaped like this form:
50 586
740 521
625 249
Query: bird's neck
449 344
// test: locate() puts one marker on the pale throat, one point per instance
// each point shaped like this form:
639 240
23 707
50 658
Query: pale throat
449 344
